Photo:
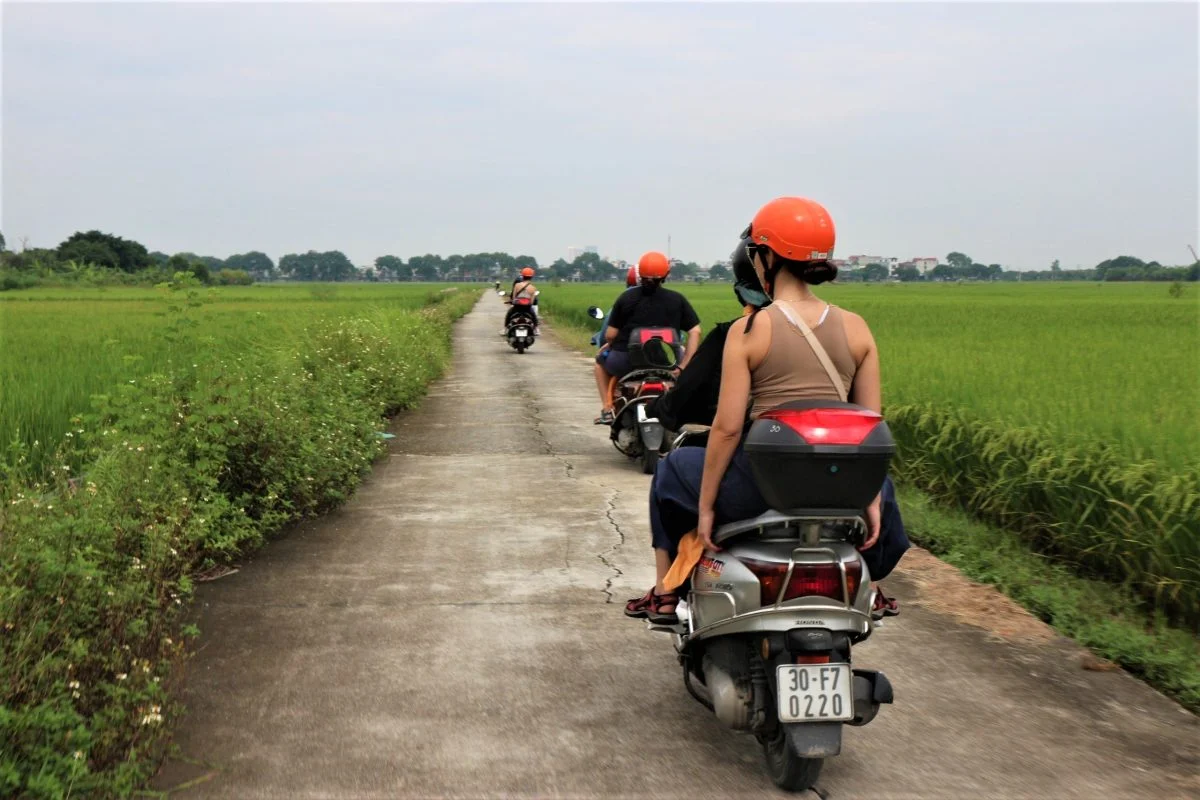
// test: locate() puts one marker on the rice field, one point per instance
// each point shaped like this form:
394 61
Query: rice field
1118 364
58 347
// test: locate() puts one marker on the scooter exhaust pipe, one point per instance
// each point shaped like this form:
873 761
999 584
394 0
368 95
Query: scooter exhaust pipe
731 702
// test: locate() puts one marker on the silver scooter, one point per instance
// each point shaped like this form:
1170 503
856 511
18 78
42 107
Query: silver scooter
765 632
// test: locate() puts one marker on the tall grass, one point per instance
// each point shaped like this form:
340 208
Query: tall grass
59 347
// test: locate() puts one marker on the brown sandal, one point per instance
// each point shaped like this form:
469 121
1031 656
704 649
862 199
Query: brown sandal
662 608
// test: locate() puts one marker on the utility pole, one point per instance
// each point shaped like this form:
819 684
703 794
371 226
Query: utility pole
1194 256
668 248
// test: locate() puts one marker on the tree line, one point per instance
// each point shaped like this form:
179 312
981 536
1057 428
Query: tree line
961 267
94 256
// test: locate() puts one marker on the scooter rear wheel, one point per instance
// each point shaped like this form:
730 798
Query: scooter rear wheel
789 771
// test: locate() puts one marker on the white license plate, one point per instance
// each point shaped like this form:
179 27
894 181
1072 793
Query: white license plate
522 331
815 692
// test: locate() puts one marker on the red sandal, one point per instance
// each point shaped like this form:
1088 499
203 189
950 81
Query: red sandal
662 609
638 607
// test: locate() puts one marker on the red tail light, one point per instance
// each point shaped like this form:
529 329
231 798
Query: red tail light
654 386
810 658
808 580
827 425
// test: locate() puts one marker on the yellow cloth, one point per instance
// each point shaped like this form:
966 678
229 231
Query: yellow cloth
686 558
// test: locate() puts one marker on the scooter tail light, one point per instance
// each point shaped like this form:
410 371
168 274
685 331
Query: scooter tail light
654 386
837 426
813 658
808 580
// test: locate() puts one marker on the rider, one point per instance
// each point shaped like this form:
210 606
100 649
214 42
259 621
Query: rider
631 280
653 306
767 362
693 398
523 289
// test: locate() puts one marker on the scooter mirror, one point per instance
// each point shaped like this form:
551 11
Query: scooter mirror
595 313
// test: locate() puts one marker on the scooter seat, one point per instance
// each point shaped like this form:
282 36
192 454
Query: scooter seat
779 518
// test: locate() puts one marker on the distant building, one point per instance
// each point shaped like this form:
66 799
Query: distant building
862 261
575 252
925 264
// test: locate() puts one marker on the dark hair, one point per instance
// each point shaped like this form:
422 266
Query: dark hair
650 285
811 272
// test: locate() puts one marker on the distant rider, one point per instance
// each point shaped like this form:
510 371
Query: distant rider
523 298
652 307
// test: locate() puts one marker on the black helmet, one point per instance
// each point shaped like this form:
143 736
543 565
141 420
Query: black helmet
745 280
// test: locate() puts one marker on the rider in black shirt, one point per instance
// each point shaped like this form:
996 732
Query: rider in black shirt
651 307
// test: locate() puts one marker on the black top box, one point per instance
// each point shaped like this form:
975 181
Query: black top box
819 454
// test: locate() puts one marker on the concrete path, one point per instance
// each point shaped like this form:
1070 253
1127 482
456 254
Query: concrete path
455 630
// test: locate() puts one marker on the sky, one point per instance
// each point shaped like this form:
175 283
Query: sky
1016 133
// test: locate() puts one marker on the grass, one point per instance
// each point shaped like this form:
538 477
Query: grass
59 347
1109 621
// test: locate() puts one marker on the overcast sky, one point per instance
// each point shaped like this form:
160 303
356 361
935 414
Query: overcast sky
1015 133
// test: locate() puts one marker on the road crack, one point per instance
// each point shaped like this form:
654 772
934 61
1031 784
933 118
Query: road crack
608 556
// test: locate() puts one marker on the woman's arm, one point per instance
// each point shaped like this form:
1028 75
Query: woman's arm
867 390
727 426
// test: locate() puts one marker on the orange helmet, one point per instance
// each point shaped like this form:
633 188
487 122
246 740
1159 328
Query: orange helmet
527 272
653 265
631 277
795 228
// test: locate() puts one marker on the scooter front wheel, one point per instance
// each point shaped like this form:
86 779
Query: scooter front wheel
649 461
789 771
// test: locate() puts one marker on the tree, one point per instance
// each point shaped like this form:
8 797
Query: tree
942 272
258 265
1054 267
719 272
2 245
105 249
389 267
959 261
875 272
908 272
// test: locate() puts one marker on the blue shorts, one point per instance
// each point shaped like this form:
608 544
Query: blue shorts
615 362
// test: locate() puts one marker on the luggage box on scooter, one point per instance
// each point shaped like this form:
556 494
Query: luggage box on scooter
819 454
653 347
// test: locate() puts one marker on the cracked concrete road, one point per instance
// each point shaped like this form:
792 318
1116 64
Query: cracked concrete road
455 630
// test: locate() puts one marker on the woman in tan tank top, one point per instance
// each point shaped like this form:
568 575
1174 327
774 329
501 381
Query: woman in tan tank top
767 362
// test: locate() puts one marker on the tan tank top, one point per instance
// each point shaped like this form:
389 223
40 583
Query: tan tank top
792 371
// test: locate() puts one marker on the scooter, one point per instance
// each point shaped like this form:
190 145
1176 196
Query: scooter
766 631
653 355
521 330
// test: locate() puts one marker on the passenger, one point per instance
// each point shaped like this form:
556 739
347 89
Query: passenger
652 307
631 281
766 362
693 398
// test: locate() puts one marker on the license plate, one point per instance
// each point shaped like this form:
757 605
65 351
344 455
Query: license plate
815 692
522 331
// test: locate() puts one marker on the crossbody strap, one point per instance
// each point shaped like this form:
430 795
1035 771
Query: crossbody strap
799 324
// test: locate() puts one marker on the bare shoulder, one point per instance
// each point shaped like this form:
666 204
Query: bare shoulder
855 324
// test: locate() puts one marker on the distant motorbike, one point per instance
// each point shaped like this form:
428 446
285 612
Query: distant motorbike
653 353
765 633
521 330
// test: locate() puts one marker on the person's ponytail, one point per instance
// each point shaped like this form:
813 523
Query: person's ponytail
650 286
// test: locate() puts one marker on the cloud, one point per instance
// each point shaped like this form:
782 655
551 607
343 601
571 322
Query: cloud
439 127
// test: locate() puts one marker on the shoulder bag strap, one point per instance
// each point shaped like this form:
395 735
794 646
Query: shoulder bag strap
813 342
